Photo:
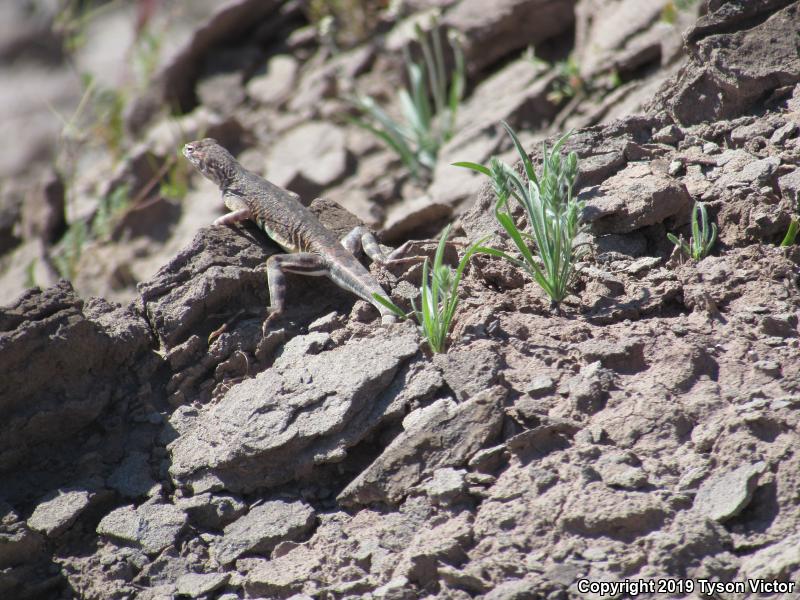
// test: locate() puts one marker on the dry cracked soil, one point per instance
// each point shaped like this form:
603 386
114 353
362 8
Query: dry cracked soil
641 440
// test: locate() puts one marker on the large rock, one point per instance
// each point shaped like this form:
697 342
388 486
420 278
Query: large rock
277 426
62 362
635 197
176 79
494 33
738 53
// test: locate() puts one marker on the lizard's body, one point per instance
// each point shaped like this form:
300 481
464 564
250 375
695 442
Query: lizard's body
311 248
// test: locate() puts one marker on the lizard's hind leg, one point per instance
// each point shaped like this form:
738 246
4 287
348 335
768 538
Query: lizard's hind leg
303 263
362 238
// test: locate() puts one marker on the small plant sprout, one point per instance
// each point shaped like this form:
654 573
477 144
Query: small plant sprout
426 125
438 295
703 235
552 210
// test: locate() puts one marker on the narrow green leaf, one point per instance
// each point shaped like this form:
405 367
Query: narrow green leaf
473 166
390 305
526 161
791 233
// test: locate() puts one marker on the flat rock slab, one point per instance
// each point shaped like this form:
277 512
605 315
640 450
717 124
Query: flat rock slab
305 410
195 585
724 496
151 527
55 515
284 575
262 528
444 434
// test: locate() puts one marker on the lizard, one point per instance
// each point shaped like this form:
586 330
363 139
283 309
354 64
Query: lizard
311 248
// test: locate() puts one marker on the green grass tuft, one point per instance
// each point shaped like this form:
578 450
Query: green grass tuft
703 236
428 105
438 295
548 251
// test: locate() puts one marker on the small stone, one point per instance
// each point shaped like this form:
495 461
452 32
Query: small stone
670 134
283 575
710 148
724 496
151 527
783 133
398 588
540 385
56 514
676 168
623 476
446 486
487 460
195 585
326 323
768 366
480 479
276 85
589 389
212 511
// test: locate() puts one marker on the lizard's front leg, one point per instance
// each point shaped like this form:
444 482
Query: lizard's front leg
362 238
234 217
303 263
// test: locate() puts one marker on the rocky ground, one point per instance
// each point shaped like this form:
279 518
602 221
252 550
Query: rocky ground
647 431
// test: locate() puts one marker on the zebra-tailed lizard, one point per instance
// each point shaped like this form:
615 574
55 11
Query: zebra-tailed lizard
311 248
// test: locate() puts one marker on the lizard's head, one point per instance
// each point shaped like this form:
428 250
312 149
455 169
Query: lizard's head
211 159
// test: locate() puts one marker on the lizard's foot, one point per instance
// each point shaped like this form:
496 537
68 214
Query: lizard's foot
273 314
